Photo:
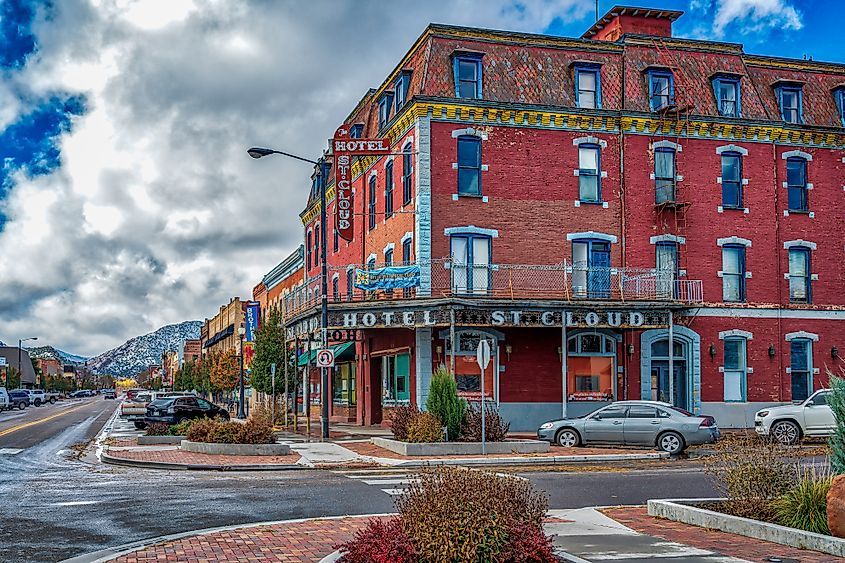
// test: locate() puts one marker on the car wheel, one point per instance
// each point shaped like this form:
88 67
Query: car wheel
140 425
21 405
52 400
786 432
37 402
671 442
568 438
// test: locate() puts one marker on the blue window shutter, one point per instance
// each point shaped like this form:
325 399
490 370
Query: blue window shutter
480 79
455 62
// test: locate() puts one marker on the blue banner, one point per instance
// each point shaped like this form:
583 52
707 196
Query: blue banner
389 277
253 315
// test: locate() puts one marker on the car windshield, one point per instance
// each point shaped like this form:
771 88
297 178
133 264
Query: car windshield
143 398
161 403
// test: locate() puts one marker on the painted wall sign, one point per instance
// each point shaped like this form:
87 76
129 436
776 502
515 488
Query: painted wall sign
389 277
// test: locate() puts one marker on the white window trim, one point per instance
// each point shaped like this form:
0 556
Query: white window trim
733 240
800 154
407 236
388 160
668 238
667 145
799 243
790 336
732 148
471 132
589 140
593 235
390 246
735 332
336 276
371 257
471 230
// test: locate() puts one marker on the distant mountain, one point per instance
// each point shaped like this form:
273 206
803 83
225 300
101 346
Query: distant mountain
137 354
50 353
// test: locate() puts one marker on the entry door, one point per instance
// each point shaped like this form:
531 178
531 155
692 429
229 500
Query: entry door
660 382
598 282
606 425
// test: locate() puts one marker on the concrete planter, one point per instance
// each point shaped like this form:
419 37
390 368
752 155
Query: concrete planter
685 511
461 448
234 449
159 440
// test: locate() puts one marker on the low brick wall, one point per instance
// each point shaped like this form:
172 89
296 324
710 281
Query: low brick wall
159 440
461 448
234 449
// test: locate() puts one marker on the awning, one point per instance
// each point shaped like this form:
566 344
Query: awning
343 352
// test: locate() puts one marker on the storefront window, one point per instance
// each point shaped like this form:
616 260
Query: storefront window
590 367
396 379
343 385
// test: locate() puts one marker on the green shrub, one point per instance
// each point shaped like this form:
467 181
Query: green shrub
202 430
425 427
226 433
256 430
453 514
495 427
158 429
836 400
805 506
400 419
180 429
751 474
444 403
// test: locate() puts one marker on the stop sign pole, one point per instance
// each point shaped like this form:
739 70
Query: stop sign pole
482 356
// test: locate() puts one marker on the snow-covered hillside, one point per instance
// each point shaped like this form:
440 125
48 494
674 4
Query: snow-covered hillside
137 354
48 352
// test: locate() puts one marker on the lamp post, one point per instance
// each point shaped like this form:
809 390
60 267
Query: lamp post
20 355
241 413
321 175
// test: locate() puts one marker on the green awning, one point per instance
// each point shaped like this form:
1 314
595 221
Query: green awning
343 352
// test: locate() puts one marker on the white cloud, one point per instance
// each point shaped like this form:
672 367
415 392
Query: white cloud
157 214
748 17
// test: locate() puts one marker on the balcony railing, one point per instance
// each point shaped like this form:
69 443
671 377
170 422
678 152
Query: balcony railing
563 282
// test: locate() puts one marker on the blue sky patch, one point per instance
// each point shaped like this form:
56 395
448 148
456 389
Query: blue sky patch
18 41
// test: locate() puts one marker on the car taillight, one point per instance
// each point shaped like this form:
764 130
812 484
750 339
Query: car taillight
707 421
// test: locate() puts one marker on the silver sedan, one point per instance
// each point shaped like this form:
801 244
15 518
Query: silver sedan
634 423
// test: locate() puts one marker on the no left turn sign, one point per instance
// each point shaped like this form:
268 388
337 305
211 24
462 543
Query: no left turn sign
325 358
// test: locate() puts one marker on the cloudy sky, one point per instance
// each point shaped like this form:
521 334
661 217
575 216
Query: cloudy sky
127 200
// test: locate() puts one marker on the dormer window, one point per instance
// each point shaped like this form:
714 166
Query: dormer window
467 71
726 89
839 96
790 101
384 106
661 89
357 131
587 85
400 89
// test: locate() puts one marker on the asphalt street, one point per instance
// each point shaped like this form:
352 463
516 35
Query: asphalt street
56 506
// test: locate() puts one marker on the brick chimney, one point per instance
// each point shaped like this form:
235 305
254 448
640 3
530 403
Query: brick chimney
627 19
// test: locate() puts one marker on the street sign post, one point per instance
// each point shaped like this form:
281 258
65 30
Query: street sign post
325 358
482 356
273 386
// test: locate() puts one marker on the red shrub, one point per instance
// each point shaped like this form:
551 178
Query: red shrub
382 541
527 544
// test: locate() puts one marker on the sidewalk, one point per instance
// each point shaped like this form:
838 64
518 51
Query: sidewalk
579 536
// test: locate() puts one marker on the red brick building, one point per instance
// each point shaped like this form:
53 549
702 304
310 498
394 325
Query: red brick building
580 203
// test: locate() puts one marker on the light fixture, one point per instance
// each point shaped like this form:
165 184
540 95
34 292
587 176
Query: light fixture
712 350
258 152
560 353
241 331
834 352
508 350
630 349
771 350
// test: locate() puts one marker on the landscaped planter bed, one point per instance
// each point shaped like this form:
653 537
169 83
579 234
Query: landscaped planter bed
688 512
235 449
159 440
460 448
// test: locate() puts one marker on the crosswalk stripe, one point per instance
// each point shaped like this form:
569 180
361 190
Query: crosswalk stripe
386 481
394 492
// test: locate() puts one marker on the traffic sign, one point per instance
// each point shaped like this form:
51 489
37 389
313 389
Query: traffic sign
482 354
325 358
2 361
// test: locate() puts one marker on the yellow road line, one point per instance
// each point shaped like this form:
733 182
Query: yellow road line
39 421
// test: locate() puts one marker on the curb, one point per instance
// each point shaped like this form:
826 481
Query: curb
106 458
555 460
104 555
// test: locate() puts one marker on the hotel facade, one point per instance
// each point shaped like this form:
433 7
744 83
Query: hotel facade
623 215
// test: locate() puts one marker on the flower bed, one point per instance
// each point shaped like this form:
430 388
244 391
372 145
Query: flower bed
460 448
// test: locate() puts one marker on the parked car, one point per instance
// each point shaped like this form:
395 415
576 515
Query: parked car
634 423
788 424
81 394
109 394
173 410
5 403
19 399
130 393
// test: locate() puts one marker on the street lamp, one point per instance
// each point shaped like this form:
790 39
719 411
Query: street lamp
321 175
20 355
241 413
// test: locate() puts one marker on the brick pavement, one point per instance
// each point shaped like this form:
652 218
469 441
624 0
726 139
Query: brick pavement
724 543
297 542
191 458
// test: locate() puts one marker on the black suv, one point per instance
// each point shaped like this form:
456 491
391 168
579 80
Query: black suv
173 410
19 399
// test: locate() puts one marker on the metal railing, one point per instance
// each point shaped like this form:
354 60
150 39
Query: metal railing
565 281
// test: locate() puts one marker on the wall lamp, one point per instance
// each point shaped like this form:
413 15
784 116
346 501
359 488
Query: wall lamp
508 350
712 350
771 350
834 352
630 349
560 353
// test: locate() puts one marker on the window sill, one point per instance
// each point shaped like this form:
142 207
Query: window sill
580 202
483 198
